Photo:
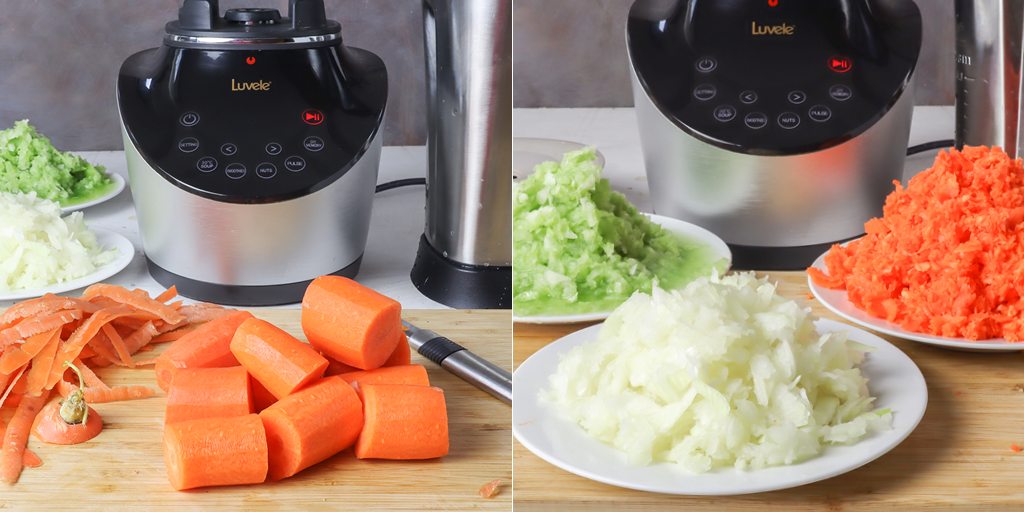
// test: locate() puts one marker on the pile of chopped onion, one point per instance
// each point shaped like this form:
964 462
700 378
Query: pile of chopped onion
723 372
39 248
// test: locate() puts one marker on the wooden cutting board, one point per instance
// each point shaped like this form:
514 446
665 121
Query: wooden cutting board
958 458
123 467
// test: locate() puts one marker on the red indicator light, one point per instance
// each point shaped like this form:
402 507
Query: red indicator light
250 60
773 3
839 64
313 117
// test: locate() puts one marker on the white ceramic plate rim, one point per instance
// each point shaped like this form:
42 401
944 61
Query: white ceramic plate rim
553 149
674 225
118 187
108 240
838 303
894 380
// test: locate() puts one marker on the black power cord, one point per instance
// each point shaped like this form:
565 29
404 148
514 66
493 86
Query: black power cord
400 183
927 146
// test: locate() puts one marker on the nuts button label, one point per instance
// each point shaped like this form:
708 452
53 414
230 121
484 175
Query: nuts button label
266 170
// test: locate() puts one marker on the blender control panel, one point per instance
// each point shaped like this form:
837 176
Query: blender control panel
771 77
254 126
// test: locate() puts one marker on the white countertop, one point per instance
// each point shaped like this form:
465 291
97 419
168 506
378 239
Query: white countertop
613 131
395 228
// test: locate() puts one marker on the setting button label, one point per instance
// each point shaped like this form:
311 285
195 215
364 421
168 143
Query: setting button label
840 92
207 164
294 163
235 171
266 170
819 113
704 92
188 145
313 144
789 120
755 120
725 113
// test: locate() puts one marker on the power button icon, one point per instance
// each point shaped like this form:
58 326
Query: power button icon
706 64
189 119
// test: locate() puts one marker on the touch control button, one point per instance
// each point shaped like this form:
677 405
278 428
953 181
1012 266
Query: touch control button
789 120
235 171
819 113
207 164
840 92
313 143
756 120
189 119
704 92
748 97
188 145
725 113
229 149
273 148
797 97
266 170
294 163
706 64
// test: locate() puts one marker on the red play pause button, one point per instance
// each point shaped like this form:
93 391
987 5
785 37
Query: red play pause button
839 64
313 116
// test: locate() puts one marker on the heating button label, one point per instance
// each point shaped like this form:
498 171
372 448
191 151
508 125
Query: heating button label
235 171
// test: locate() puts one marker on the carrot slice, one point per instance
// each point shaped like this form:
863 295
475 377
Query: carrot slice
402 422
311 425
173 335
50 428
73 347
352 323
17 358
122 350
42 306
137 301
14 382
168 294
41 365
36 325
117 394
335 367
30 459
261 397
206 347
277 359
402 354
16 437
411 374
216 451
198 393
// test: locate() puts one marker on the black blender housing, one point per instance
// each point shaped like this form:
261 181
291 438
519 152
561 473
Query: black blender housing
322 93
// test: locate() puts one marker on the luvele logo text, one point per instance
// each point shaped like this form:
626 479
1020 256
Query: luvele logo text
782 29
250 86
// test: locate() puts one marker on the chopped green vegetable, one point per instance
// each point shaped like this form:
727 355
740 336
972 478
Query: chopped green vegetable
580 247
29 163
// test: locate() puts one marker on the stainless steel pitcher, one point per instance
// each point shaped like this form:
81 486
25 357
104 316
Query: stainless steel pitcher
465 254
988 65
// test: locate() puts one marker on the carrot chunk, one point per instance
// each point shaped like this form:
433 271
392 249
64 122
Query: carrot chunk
50 428
216 451
411 374
350 322
277 359
311 425
402 422
206 347
199 393
402 354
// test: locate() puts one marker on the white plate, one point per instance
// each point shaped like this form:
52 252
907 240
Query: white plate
690 231
894 380
108 240
837 301
528 153
118 187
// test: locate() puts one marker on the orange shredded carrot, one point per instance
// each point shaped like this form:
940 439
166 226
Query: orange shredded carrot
44 305
947 256
174 335
489 490
14 382
136 301
1015 447
36 325
41 362
167 295
15 359
16 437
122 350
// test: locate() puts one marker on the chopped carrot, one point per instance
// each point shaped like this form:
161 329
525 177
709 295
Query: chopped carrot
402 354
311 425
44 305
336 368
945 258
198 313
68 421
261 397
41 363
489 490
173 335
117 393
216 451
17 358
277 359
122 350
167 295
1015 447
206 347
36 325
31 460
411 374
352 323
402 422
14 382
134 300
16 437
198 393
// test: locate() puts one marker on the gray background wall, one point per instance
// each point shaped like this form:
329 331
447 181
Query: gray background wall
572 53
59 60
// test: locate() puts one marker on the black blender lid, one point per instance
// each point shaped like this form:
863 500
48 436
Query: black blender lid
199 24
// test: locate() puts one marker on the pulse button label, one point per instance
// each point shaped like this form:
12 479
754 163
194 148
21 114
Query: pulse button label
294 163
819 113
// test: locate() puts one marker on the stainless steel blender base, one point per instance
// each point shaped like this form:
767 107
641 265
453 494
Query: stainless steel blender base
459 285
